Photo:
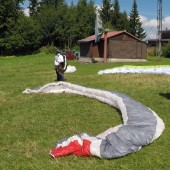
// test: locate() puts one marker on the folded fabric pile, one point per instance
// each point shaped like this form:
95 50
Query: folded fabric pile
160 69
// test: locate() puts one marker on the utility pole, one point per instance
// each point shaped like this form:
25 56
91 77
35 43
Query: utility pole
105 31
159 26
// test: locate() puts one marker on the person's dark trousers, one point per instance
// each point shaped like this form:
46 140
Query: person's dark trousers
58 75
61 76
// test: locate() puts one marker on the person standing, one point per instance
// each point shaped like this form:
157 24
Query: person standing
60 62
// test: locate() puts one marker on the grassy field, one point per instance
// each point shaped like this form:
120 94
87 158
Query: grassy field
31 124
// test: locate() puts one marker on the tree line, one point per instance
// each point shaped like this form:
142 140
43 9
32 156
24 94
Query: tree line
56 23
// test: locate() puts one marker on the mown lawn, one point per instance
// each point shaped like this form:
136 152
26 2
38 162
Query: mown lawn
31 124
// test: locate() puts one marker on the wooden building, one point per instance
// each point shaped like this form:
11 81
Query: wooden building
165 38
117 45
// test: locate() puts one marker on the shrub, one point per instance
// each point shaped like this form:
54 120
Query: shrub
49 49
166 50
151 51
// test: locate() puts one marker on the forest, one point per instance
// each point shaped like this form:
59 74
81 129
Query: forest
54 23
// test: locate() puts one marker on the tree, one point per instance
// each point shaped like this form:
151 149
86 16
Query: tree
85 18
135 25
17 3
166 50
18 34
45 2
106 13
33 6
25 37
47 19
8 17
70 27
116 15
54 3
123 22
63 26
119 19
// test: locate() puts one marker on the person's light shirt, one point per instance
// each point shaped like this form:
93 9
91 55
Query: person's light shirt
58 59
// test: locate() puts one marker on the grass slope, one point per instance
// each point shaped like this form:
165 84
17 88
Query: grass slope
30 124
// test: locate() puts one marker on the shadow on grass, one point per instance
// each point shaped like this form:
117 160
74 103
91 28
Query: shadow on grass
166 95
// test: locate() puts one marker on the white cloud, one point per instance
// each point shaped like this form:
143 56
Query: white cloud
26 12
98 7
166 23
150 26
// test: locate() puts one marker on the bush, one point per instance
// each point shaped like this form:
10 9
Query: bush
76 48
48 49
151 51
166 50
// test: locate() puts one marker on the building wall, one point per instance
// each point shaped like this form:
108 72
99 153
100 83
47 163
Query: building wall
98 49
165 35
119 47
126 47
95 51
144 51
85 49
165 38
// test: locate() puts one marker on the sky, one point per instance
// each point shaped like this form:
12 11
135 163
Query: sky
147 10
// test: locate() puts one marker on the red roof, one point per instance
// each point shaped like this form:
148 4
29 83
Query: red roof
112 34
109 34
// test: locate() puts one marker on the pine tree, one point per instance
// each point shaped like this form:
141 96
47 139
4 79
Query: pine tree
54 3
18 2
123 22
85 18
33 6
116 14
135 25
106 13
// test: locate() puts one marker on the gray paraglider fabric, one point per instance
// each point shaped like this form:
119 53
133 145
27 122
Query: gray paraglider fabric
140 127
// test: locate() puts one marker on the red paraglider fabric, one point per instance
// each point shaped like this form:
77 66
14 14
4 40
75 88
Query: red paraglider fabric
73 148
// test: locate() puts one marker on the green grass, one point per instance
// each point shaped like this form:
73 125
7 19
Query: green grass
31 124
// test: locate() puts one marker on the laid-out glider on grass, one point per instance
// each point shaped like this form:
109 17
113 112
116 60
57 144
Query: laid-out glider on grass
70 69
159 69
140 127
